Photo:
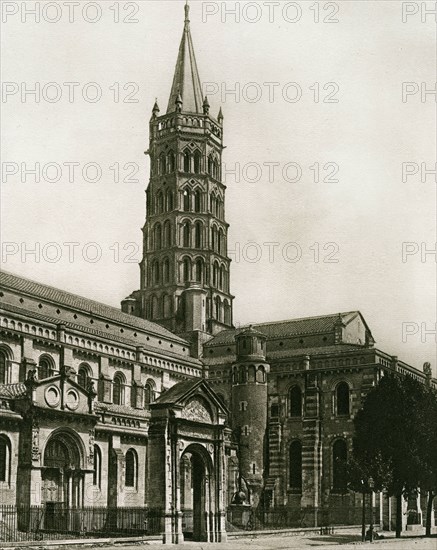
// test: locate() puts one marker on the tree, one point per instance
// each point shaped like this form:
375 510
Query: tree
392 435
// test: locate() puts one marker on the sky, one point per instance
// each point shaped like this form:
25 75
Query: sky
329 130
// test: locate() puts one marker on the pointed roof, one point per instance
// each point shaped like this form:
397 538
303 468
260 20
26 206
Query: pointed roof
186 81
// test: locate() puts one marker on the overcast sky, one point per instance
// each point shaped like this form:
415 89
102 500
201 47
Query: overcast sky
326 95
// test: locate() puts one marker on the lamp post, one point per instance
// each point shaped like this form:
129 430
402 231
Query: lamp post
363 514
371 486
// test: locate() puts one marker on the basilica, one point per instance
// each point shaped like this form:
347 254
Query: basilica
163 407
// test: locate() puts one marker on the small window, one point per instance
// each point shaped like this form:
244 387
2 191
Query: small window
118 390
45 368
5 459
97 471
295 466
131 469
83 376
3 368
148 395
339 470
343 399
295 401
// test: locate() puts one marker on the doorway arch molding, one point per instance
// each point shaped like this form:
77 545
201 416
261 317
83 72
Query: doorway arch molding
188 426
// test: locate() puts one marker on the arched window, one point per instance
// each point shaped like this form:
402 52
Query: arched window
5 459
154 313
210 165
227 312
169 200
215 273
339 472
167 234
3 368
166 306
166 270
162 164
197 159
45 368
97 470
221 242
170 162
187 200
131 469
218 308
215 169
342 399
199 270
159 203
83 375
186 234
295 401
118 389
149 394
212 203
157 236
251 373
155 273
187 270
197 201
187 161
222 278
261 375
295 466
198 235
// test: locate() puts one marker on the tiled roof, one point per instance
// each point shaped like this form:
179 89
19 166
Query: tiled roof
12 390
101 334
284 329
177 391
79 303
337 349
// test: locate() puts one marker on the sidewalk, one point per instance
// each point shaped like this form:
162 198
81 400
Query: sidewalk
346 539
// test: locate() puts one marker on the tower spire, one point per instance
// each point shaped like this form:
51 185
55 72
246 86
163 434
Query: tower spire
186 80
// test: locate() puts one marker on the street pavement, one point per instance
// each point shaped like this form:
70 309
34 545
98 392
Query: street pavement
350 540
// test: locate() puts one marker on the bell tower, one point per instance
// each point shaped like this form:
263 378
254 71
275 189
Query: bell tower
184 283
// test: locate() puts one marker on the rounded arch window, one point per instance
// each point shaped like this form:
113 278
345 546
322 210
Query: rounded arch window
198 235
97 470
118 389
261 374
343 399
84 375
149 393
5 459
131 472
339 469
295 466
3 367
46 368
295 401
186 266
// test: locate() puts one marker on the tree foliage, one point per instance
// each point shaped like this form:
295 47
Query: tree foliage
395 439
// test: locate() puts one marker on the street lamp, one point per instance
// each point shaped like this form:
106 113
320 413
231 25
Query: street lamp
363 514
371 487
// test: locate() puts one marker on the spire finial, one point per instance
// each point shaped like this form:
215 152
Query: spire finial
187 13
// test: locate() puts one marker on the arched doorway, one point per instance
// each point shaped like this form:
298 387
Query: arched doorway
63 479
196 493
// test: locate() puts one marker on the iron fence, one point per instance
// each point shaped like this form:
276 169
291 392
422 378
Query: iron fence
55 521
250 519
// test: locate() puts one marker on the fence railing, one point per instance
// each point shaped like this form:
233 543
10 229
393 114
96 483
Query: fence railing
54 521
249 519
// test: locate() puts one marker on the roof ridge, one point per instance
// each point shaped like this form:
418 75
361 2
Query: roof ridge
123 318
300 319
